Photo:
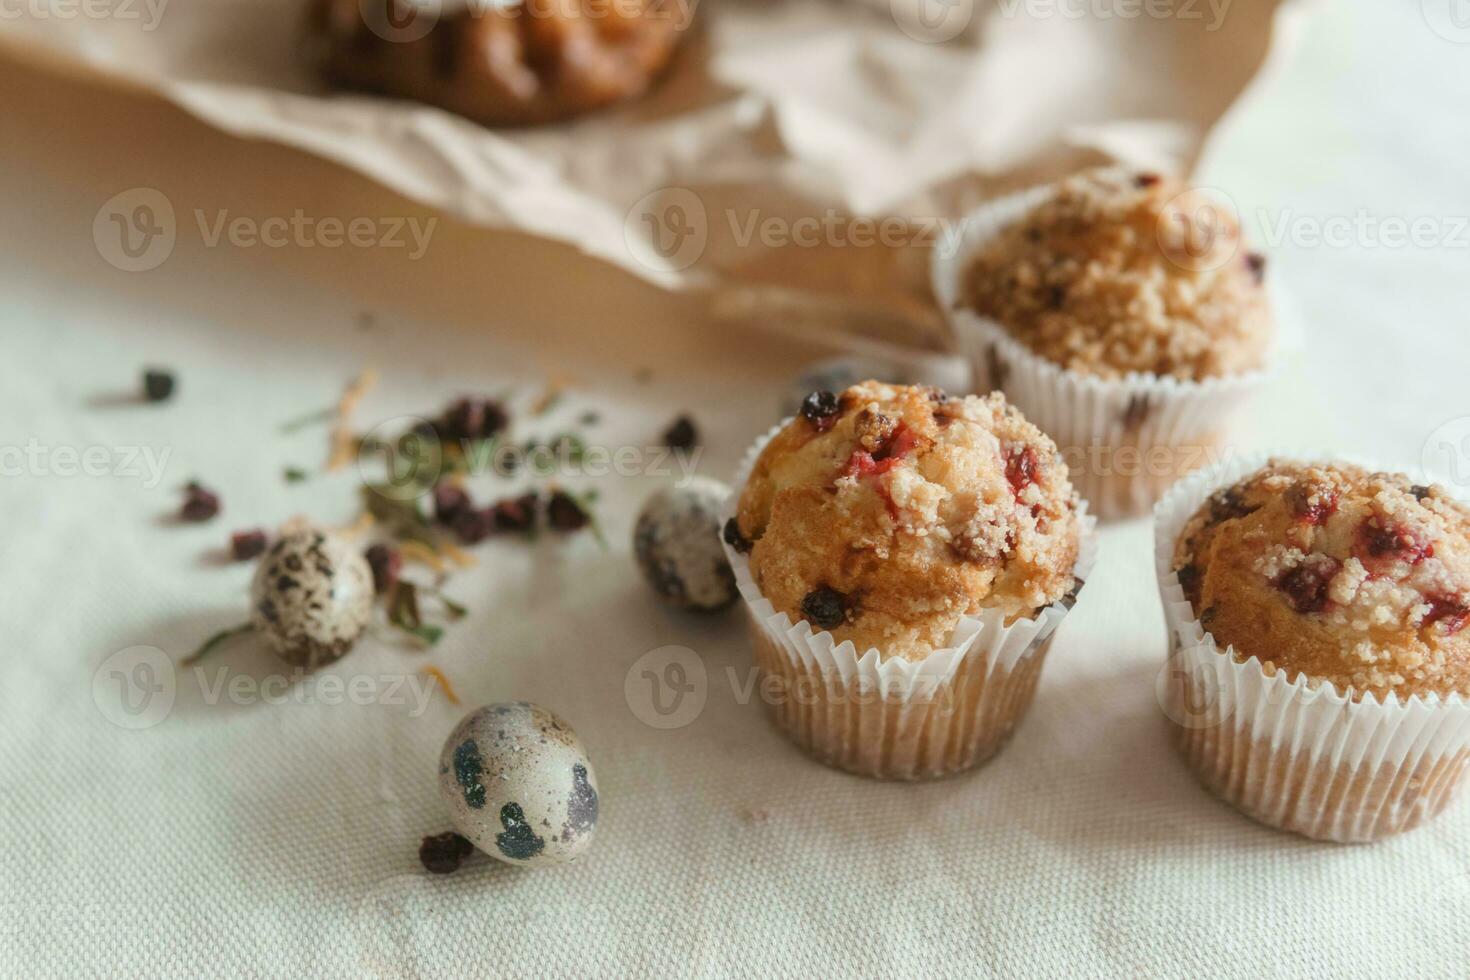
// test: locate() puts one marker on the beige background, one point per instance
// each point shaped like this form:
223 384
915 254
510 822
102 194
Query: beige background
278 840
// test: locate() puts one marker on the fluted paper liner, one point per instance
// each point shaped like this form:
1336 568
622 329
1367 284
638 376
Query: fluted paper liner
892 718
1294 754
1125 421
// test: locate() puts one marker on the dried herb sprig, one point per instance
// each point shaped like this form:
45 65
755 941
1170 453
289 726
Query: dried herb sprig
215 642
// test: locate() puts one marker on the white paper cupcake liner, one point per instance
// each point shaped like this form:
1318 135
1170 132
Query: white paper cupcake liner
1125 440
1292 754
894 718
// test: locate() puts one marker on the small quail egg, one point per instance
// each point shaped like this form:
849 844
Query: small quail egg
519 784
312 596
677 544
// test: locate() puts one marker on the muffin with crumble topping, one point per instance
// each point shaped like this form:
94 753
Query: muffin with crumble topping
1114 306
906 558
1340 598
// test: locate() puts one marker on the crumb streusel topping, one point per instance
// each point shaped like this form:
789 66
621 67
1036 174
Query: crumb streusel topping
887 513
1360 579
1117 273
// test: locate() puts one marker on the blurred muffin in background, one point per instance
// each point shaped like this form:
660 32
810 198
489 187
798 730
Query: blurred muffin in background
499 62
1121 311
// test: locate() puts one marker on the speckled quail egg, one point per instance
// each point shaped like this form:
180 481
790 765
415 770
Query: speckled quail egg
312 596
519 784
677 544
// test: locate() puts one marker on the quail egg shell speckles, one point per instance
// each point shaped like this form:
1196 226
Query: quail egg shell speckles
519 785
312 596
677 544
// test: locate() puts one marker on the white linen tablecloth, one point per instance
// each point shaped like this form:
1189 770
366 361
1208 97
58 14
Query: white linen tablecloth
277 835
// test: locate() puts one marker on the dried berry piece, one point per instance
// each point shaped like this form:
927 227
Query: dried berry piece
444 853
386 564
821 409
1312 504
199 504
473 526
735 539
1022 465
892 450
682 434
1451 610
1229 504
158 385
1189 580
1146 179
825 608
245 545
1382 541
565 512
1256 263
450 502
473 418
1306 585
517 513
1420 492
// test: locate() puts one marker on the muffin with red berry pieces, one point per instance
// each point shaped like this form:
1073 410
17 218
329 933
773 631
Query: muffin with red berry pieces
1322 660
905 558
1122 312
503 63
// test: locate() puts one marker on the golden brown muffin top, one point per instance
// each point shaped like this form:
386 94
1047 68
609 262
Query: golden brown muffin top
887 513
1359 579
1117 273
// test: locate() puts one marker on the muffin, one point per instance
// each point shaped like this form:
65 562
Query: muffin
905 558
516 63
1340 599
1123 313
